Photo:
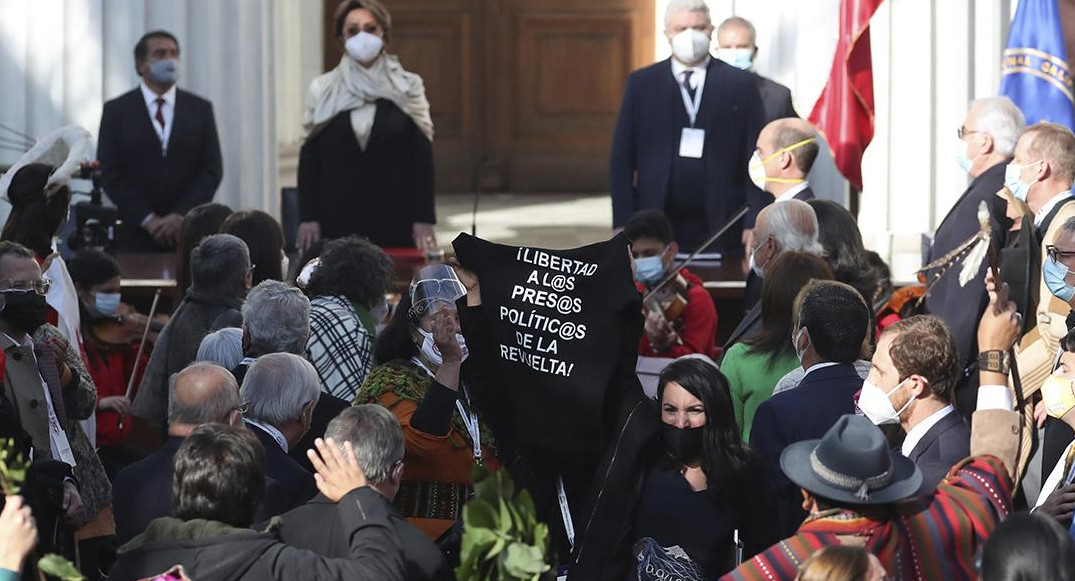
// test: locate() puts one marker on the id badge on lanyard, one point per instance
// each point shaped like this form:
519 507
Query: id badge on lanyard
691 140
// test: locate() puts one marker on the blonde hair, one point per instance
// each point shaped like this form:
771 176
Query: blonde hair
1055 144
836 563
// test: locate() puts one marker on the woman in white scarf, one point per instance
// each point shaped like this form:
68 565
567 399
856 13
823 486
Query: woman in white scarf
366 166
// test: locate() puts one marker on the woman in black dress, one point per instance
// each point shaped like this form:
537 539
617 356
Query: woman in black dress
366 166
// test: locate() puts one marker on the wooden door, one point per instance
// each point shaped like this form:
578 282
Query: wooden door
524 93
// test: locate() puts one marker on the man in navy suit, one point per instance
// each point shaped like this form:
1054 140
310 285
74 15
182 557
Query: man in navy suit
737 45
685 133
987 141
201 393
281 390
831 325
158 148
912 378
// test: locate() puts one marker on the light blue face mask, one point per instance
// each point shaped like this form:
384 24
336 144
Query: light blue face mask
1054 274
1015 183
651 268
740 58
961 156
106 303
164 72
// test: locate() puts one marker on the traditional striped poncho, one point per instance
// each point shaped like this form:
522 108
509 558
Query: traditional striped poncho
932 538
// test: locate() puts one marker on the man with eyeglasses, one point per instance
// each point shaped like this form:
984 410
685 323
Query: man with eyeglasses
202 393
986 141
48 397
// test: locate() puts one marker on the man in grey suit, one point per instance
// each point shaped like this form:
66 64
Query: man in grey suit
736 46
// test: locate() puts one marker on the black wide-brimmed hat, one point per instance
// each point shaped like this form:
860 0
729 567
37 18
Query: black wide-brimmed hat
851 464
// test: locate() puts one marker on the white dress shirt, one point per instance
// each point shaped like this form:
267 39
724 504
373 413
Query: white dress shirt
817 366
1048 207
272 431
697 81
167 111
793 191
914 435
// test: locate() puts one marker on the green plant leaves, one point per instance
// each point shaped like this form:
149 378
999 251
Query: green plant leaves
59 567
502 540
13 466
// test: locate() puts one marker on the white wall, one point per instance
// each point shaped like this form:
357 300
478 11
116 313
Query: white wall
60 60
930 59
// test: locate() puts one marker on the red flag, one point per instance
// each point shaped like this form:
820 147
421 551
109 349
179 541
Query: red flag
844 112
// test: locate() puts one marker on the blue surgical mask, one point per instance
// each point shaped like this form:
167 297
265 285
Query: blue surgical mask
651 268
1054 273
106 304
1015 183
164 72
961 156
740 58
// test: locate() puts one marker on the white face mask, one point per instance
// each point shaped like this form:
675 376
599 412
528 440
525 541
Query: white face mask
690 46
364 47
432 352
795 343
756 170
876 406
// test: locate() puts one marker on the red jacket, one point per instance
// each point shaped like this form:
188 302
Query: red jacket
697 326
110 370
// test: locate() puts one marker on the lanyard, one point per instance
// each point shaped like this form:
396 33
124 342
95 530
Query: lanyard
691 106
565 511
470 419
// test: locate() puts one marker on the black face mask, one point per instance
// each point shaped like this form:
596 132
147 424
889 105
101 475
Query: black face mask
24 311
682 444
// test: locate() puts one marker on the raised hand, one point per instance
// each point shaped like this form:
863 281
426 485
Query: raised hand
338 471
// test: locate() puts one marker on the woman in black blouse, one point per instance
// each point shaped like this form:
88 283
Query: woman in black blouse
366 166
702 483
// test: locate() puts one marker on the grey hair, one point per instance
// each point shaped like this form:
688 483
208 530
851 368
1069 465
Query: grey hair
219 265
739 21
202 406
793 225
277 318
1069 225
1002 119
223 347
677 6
375 436
277 386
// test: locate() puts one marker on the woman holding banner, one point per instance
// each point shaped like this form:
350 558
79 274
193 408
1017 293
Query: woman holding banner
419 357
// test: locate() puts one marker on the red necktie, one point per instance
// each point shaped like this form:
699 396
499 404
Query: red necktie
160 113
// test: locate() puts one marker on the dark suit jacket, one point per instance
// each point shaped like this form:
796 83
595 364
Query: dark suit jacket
287 485
960 307
142 491
803 413
647 136
379 192
775 99
943 446
316 526
750 324
140 179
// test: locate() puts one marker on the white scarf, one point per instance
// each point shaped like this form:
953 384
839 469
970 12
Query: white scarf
351 85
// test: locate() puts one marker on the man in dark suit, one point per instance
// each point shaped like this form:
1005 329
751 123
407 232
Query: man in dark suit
377 440
158 148
832 323
790 225
685 132
200 394
914 371
988 137
281 390
737 46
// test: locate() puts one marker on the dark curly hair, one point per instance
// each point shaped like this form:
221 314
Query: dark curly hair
355 268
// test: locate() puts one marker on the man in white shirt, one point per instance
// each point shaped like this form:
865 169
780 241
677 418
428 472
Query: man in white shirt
913 373
785 153
158 148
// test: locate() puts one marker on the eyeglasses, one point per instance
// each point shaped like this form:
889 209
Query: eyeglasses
963 132
40 287
1056 254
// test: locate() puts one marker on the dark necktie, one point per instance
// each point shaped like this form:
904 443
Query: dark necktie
160 113
687 74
